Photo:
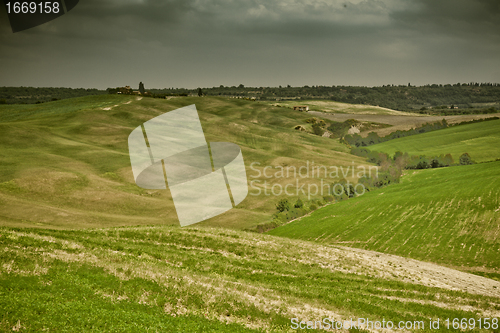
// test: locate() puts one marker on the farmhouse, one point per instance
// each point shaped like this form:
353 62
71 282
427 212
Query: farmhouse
123 90
301 108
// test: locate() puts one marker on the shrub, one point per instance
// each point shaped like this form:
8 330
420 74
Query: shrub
317 129
328 198
298 204
283 205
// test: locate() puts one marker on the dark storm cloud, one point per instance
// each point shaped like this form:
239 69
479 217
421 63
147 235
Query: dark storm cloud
461 18
257 42
115 20
152 18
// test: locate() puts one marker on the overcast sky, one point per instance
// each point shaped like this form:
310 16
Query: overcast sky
206 43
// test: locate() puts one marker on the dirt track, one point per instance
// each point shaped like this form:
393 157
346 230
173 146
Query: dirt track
398 122
427 274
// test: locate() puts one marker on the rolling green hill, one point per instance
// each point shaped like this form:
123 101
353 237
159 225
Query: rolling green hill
449 216
480 140
172 279
65 164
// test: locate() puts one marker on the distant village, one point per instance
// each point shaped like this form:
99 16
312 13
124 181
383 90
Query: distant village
128 91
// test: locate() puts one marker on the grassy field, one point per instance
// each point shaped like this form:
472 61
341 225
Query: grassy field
449 216
168 279
480 140
65 164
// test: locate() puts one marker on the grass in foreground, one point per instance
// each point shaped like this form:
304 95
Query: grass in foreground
449 216
480 140
211 280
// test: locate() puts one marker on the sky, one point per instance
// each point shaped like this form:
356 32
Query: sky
208 43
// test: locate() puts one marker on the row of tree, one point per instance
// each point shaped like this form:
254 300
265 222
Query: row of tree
399 97
465 96
444 111
288 209
402 160
30 95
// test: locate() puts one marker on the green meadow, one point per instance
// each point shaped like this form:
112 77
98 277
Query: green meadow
480 140
65 164
449 216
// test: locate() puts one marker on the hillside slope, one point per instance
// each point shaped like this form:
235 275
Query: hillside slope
449 216
65 164
480 140
175 279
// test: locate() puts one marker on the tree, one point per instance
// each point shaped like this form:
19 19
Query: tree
200 92
448 160
465 159
373 138
349 190
401 160
398 155
141 88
